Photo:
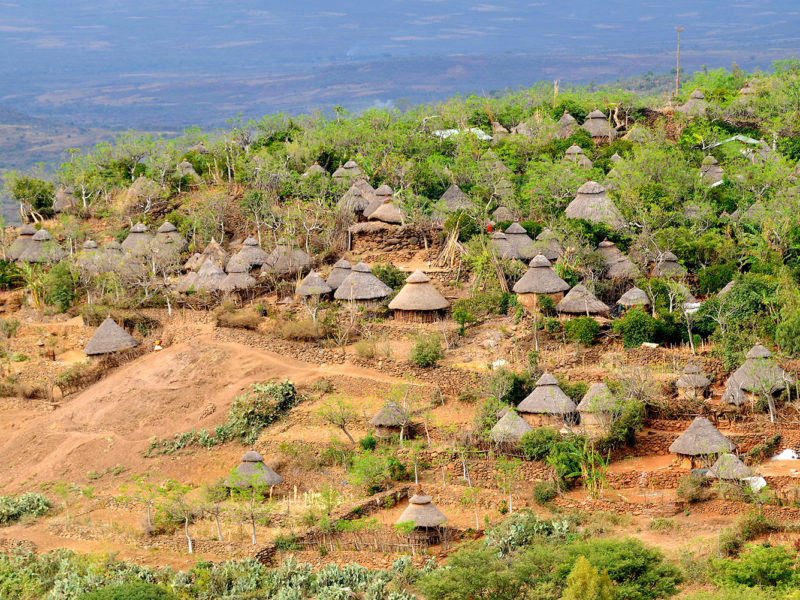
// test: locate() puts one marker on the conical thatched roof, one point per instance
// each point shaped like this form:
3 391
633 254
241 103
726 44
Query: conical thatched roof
138 240
390 415
209 277
251 254
567 125
583 162
695 105
388 212
341 269
384 190
759 374
312 285
168 230
730 468
25 237
519 238
616 158
213 252
579 300
253 471
314 169
89 245
355 200
501 214
618 266
422 512
285 260
593 204
634 297
454 199
238 277
692 378
711 173
41 249
598 399
701 438
350 170
547 398
548 245
114 246
540 278
63 201
494 164
502 247
418 294
109 338
667 265
747 90
361 284
597 125
573 153
510 428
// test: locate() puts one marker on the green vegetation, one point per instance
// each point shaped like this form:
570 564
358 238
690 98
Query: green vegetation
583 330
427 350
29 504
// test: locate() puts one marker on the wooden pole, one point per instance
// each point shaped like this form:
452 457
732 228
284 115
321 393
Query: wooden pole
678 65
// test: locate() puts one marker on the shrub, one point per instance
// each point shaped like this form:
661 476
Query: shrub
635 327
582 330
692 489
390 275
552 326
544 492
59 285
287 542
261 405
787 334
662 524
368 442
371 472
462 316
713 278
537 444
10 275
427 350
29 504
547 305
754 524
246 318
298 331
9 327
760 566
130 591
366 348
765 450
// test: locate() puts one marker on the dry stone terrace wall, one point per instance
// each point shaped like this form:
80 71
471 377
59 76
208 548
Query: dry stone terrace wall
381 237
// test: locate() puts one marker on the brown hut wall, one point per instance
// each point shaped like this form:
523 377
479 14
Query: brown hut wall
419 316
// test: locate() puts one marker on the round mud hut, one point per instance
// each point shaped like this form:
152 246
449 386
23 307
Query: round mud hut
519 238
286 261
695 106
597 408
502 247
599 128
24 239
41 249
701 444
418 301
109 338
341 269
238 277
566 126
168 230
547 405
573 153
593 204
314 170
547 244
692 383
758 377
667 265
580 301
509 429
313 286
634 297
251 254
253 472
427 519
618 266
362 287
540 279
391 420
138 240
347 172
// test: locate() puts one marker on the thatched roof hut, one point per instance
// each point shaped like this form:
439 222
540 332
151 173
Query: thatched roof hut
748 90
597 406
547 244
566 126
251 254
418 300
390 419
634 297
494 164
388 212
312 285
384 191
138 240
593 204
238 277
208 278
519 238
285 260
499 131
580 301
314 170
356 199
501 214
667 265
618 266
422 512
729 467
362 286
510 428
701 439
711 173
453 199
113 246
213 252
186 169
347 172
341 269
41 249
599 128
502 247
63 201
109 338
696 105
573 153
24 238
168 230
253 471
759 375
692 381
616 158
539 279
547 403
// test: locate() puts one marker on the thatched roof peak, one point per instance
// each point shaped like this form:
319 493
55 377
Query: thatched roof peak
89 245
566 119
591 187
697 95
388 212
27 229
313 285
342 263
539 261
384 190
41 236
455 199
362 267
361 285
252 470
710 160
515 228
252 456
547 379
167 227
108 338
390 415
547 398
540 278
596 114
701 438
418 295
422 512
758 351
634 297
574 150
502 213
597 399
418 277
139 228
250 241
579 300
616 158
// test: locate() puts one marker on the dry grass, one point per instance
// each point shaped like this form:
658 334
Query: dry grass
298 331
246 318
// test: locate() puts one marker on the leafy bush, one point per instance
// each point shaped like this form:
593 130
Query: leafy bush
624 426
787 334
760 566
482 303
537 444
287 542
544 492
462 316
131 591
9 327
546 305
582 330
371 472
765 450
10 275
29 504
692 489
427 350
368 442
299 331
636 327
59 286
713 278
390 275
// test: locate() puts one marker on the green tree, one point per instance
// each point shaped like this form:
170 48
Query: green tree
586 582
